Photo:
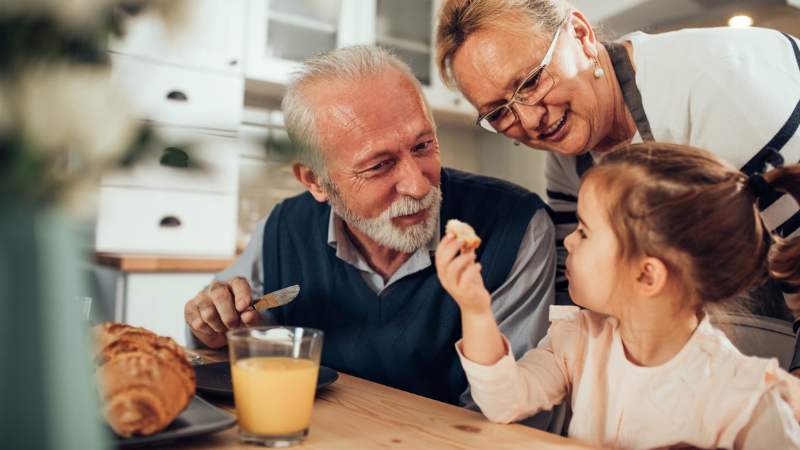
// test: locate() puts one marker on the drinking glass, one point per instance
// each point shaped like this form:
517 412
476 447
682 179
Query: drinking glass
85 303
274 372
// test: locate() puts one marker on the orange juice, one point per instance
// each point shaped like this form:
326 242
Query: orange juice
274 395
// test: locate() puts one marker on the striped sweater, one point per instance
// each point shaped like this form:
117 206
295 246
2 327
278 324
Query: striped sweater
728 91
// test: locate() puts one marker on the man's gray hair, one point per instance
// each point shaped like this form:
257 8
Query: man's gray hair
346 64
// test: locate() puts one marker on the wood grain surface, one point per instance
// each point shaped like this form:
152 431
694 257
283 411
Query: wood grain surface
353 413
155 263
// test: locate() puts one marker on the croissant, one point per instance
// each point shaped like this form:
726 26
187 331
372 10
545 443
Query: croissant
145 380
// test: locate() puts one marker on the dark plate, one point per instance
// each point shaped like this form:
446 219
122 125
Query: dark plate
215 379
199 418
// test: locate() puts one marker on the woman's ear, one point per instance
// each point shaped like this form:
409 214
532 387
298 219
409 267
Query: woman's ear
310 180
583 32
652 277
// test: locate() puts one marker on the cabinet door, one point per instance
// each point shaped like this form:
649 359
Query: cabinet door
283 32
406 27
156 300
210 36
211 164
409 29
180 96
161 222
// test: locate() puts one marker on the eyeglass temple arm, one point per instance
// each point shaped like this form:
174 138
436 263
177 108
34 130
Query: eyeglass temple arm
549 54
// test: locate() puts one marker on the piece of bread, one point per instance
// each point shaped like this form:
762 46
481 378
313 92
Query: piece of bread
464 232
145 380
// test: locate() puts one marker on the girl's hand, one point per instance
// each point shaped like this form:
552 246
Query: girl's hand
460 276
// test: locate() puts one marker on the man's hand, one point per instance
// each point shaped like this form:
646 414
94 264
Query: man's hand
222 307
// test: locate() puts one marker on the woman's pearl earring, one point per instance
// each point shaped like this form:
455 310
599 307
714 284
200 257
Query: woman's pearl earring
598 72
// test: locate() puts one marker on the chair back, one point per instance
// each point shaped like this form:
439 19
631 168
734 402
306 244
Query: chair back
762 336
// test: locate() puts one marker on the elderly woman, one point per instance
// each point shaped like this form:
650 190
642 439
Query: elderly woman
536 72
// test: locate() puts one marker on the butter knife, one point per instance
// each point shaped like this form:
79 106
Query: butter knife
277 298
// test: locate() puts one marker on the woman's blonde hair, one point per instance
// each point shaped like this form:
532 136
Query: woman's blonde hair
458 19
698 215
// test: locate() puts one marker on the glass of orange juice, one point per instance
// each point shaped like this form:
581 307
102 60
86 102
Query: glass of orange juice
274 371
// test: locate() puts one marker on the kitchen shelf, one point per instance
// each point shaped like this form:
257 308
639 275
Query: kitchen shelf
404 44
302 22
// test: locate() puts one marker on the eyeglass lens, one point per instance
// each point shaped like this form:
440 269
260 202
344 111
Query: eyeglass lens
531 90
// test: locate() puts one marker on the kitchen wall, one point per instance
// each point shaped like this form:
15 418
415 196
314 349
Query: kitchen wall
472 149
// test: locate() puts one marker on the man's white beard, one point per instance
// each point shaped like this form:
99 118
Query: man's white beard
382 230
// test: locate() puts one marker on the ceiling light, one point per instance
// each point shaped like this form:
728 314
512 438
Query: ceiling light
740 21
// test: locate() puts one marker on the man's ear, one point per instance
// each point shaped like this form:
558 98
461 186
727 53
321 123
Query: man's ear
310 180
584 33
652 277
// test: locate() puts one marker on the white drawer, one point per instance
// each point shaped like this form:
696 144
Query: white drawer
212 165
210 35
180 96
166 223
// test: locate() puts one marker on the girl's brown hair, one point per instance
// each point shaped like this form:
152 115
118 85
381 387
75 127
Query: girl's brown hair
698 215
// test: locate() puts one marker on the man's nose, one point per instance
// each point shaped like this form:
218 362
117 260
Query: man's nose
412 181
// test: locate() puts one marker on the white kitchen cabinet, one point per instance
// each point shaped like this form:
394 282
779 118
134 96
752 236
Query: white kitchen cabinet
444 99
280 33
211 164
408 28
180 96
183 84
156 300
153 208
162 222
210 36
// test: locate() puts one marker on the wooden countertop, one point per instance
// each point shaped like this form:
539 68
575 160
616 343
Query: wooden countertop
156 263
353 413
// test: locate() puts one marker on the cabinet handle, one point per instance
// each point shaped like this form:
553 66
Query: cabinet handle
178 96
174 157
170 222
132 9
233 62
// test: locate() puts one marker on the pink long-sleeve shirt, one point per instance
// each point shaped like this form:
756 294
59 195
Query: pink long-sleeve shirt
708 396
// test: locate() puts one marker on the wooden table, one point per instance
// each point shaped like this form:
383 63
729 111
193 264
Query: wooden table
161 264
357 414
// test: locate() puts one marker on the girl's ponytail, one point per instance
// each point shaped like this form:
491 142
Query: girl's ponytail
784 257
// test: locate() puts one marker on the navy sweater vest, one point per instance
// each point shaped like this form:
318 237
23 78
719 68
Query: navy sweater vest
406 338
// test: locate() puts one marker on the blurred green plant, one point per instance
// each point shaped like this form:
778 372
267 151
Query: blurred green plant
61 121
61 124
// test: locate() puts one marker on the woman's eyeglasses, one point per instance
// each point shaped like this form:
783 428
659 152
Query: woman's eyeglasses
532 89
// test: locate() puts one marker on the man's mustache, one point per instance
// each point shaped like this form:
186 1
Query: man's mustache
406 205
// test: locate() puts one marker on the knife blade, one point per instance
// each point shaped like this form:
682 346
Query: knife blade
277 298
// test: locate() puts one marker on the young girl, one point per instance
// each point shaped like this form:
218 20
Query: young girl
666 233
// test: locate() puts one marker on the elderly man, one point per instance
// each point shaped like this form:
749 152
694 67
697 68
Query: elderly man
359 242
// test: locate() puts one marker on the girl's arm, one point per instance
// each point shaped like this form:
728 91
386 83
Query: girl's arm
772 425
505 390
460 275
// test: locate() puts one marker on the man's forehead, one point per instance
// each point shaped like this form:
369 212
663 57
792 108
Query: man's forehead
368 92
375 106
